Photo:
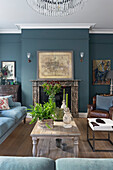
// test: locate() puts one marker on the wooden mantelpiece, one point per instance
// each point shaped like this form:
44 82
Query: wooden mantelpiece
69 83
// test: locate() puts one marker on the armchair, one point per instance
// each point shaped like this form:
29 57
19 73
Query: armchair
94 112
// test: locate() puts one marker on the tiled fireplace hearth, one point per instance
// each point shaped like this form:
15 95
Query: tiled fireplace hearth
73 84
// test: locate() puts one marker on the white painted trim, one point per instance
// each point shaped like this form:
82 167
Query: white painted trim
28 115
57 26
10 31
89 26
101 31
82 115
47 26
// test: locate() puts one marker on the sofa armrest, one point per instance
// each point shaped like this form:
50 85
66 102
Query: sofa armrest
17 104
90 106
111 112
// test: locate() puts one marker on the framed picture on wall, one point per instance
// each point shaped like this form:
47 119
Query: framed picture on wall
10 65
100 70
55 65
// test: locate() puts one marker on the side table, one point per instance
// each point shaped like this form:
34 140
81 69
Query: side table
99 125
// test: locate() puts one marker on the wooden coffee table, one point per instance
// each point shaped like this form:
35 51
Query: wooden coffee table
57 132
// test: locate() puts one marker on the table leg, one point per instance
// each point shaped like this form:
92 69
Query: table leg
34 141
93 141
76 146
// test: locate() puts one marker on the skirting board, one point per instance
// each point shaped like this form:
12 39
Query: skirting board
82 115
28 115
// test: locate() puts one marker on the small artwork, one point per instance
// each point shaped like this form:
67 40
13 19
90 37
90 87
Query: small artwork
10 65
55 65
100 69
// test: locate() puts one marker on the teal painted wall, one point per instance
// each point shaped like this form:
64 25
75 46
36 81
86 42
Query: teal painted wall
10 50
95 46
15 47
101 48
47 40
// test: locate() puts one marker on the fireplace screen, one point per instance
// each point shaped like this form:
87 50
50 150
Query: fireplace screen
55 65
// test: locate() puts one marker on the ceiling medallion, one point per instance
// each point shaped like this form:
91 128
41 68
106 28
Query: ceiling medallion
56 7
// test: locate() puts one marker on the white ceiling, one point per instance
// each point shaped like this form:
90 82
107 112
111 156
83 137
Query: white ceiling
14 12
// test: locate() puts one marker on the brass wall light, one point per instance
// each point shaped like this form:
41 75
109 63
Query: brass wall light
29 56
81 56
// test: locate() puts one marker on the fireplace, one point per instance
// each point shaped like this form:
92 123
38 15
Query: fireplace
71 88
58 97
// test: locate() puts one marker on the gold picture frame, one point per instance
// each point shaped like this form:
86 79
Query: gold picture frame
55 65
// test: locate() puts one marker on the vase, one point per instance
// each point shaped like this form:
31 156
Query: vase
46 123
67 118
52 97
63 106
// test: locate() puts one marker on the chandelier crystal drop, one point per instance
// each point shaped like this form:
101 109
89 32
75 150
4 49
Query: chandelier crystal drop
56 7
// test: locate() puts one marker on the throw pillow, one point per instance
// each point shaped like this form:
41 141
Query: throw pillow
104 102
10 100
4 104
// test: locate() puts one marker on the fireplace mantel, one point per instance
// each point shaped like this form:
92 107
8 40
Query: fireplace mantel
69 83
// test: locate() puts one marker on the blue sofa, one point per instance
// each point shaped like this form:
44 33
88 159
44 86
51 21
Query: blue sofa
10 119
35 163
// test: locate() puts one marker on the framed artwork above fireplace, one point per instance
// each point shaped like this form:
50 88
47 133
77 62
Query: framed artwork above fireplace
55 65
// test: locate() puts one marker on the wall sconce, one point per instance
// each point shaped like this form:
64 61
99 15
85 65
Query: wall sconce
29 56
81 56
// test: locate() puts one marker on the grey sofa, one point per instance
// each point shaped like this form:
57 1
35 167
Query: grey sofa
35 163
10 119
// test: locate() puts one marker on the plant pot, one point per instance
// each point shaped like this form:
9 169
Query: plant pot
46 123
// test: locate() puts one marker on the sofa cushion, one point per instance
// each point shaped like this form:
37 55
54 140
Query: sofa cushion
10 100
26 163
15 112
4 104
5 124
84 164
104 102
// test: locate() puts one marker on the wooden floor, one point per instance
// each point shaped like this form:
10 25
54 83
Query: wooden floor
19 143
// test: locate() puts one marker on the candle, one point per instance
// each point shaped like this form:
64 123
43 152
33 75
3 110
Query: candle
63 94
66 100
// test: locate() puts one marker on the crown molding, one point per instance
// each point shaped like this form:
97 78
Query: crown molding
56 26
10 31
101 31
89 26
47 26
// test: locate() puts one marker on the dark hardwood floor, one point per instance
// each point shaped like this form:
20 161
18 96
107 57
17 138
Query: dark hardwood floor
19 143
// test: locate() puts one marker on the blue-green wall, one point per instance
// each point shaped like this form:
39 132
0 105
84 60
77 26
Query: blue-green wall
101 48
54 40
15 47
10 50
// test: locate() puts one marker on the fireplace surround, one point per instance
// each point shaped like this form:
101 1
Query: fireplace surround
73 84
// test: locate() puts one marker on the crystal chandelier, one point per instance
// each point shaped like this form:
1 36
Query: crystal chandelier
56 7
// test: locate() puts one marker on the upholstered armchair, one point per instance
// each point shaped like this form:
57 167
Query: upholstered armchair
102 109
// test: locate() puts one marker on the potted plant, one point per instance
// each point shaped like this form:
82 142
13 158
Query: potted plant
45 114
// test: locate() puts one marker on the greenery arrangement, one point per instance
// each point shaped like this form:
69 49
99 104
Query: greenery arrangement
41 112
47 110
51 88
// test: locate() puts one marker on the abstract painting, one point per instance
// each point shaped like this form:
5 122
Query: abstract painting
100 69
